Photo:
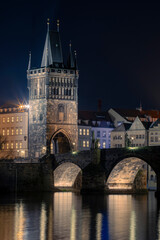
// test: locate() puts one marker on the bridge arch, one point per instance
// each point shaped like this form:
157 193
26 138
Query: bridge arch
131 173
60 142
67 176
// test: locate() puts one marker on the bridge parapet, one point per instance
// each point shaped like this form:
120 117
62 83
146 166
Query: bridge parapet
82 159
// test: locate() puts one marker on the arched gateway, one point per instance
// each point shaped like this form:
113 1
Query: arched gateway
60 143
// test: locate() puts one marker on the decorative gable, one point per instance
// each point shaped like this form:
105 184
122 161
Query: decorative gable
137 125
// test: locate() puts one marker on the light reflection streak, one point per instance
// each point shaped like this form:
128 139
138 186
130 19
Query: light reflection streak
19 222
133 226
98 226
43 221
73 225
158 230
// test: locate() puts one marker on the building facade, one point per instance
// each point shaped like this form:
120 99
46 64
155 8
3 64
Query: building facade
14 132
94 128
53 100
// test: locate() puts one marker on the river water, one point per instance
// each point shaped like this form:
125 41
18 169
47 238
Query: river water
71 216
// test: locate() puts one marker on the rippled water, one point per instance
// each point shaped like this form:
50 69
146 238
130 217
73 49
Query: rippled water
70 216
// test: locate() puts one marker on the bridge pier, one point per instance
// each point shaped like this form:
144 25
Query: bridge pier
93 179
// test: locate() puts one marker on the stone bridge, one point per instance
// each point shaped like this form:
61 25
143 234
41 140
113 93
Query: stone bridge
87 170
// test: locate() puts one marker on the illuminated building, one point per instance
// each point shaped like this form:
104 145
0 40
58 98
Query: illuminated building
14 131
94 126
133 134
53 100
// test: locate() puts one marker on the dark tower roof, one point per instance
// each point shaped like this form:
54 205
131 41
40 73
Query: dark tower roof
52 53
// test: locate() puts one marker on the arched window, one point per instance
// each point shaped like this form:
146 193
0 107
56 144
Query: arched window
61 113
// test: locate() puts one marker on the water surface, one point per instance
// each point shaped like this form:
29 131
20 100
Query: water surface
70 216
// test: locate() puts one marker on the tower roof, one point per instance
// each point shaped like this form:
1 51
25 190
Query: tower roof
52 53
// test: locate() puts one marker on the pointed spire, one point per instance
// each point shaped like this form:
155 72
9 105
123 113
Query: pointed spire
47 53
140 108
48 24
58 25
29 62
70 61
75 55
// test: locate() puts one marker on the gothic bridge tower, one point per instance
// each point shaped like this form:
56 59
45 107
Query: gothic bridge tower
53 100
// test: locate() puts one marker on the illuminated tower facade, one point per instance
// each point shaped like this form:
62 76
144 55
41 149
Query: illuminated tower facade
53 100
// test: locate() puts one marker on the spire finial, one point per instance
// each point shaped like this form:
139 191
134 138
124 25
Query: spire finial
75 56
48 24
140 106
70 44
57 25
29 62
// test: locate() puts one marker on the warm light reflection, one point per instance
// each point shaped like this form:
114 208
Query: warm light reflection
73 225
19 222
43 222
98 226
133 226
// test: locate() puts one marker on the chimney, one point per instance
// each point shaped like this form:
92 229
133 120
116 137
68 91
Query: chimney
99 105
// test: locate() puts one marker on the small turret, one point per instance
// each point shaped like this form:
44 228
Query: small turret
70 62
29 62
75 55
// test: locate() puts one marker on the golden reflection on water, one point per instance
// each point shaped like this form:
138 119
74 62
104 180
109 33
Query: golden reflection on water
99 226
69 216
133 226
43 222
19 222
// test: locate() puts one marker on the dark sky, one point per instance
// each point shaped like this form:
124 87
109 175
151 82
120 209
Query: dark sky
118 48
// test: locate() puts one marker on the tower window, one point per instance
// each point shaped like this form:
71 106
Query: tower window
41 117
35 92
61 112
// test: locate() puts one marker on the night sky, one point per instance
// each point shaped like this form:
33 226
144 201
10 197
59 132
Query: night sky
118 47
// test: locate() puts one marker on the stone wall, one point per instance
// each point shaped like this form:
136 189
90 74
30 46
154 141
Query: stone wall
25 177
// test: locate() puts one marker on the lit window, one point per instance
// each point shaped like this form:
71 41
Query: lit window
88 132
17 119
2 145
16 131
84 131
87 143
84 143
20 145
7 132
16 144
11 145
99 144
12 131
3 132
7 119
7 145
104 134
12 119
80 131
21 118
20 131
3 120
104 144
98 133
